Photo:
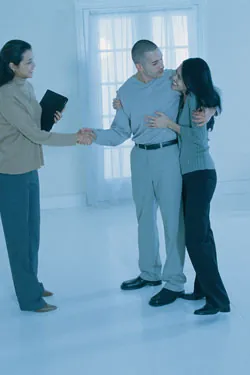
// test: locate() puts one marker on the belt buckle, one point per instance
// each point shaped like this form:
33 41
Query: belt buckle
161 145
145 147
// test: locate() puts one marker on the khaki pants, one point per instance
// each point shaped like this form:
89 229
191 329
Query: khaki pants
157 182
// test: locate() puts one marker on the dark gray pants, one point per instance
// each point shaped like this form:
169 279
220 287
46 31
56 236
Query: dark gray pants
198 190
20 214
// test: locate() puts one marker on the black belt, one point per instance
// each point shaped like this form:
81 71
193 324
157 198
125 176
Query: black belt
157 145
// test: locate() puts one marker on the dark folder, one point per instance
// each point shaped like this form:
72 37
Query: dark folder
50 103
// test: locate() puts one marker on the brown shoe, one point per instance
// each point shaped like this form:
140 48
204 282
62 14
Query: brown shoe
46 293
46 308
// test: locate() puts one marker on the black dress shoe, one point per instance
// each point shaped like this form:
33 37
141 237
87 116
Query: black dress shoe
165 297
211 310
192 296
138 283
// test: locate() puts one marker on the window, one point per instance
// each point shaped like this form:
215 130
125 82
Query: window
170 32
115 41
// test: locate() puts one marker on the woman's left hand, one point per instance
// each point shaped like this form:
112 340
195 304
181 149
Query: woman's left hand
201 116
57 116
160 121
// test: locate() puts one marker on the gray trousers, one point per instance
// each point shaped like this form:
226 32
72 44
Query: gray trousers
157 182
20 214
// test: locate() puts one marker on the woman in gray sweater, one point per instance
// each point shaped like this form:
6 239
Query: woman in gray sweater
193 79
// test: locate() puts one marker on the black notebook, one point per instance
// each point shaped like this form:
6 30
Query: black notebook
50 103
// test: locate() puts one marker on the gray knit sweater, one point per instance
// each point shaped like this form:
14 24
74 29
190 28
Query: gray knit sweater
193 140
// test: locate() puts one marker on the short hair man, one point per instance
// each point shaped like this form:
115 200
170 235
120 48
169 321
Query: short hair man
155 170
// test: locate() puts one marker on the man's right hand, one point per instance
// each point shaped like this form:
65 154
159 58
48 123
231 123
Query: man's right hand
85 136
117 104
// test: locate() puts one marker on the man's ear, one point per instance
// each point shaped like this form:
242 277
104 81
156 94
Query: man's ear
139 67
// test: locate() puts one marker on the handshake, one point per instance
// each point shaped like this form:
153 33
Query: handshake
85 136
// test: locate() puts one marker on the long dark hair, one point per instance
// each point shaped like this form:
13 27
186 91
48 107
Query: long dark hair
197 78
12 52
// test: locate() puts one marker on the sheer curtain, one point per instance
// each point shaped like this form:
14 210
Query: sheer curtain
108 41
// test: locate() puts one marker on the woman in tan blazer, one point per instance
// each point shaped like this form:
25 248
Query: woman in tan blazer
21 155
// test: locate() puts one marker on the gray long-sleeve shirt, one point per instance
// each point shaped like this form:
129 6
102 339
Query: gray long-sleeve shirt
141 99
193 140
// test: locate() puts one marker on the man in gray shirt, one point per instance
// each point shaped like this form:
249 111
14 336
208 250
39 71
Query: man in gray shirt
155 171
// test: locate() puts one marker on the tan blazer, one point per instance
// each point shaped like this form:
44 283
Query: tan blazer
21 136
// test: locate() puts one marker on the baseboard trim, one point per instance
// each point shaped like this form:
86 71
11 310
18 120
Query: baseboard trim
229 193
65 201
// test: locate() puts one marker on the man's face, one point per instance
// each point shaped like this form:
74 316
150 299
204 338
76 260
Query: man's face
152 65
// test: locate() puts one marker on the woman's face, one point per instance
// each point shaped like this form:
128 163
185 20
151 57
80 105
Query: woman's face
177 81
26 67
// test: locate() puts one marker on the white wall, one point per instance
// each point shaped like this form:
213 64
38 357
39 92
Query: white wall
50 27
228 52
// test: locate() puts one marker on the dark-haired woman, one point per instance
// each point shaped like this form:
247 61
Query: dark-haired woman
193 79
21 155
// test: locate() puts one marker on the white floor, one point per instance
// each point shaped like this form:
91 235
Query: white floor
98 329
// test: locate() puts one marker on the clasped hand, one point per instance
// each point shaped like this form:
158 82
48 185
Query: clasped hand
85 136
